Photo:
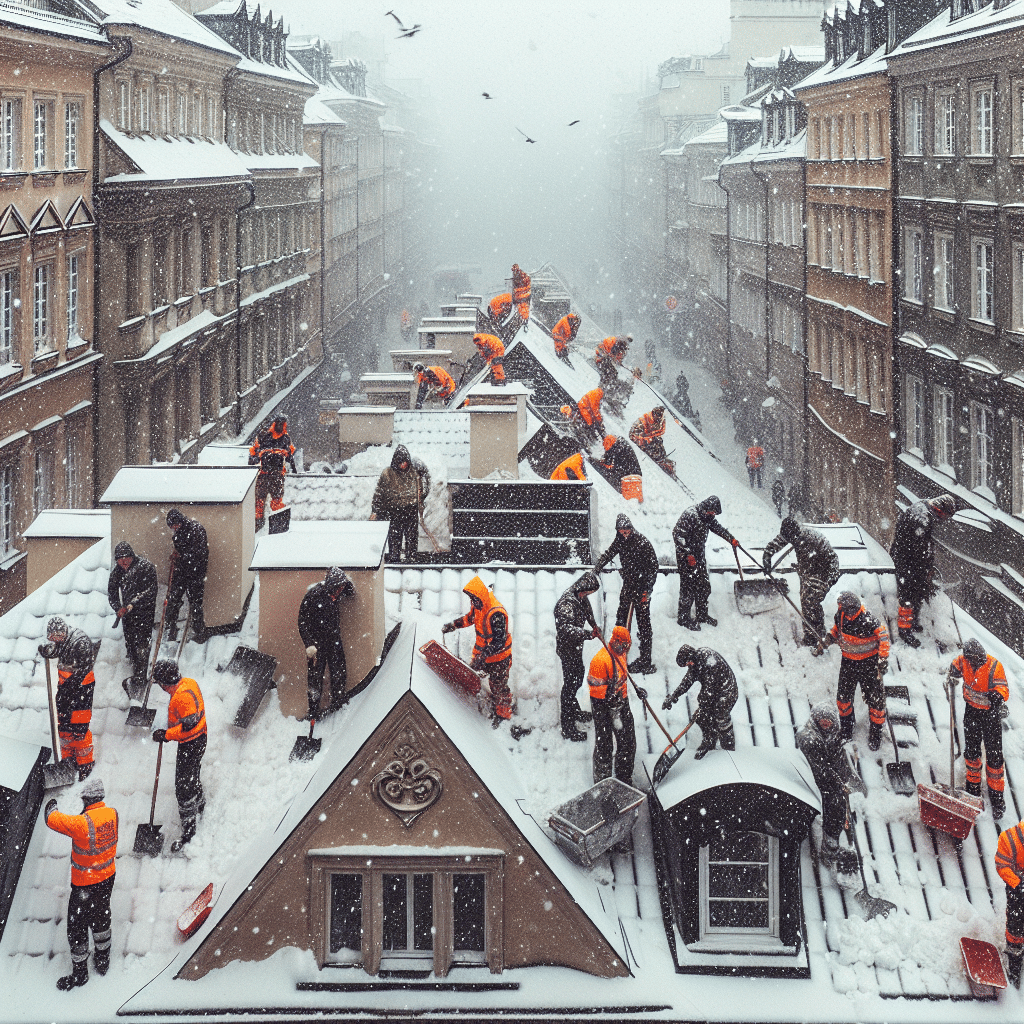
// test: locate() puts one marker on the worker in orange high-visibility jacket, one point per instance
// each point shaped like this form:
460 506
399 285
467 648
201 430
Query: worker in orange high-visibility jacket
609 355
270 451
571 469
521 292
492 351
755 462
186 726
564 332
647 433
76 685
614 731
499 308
589 407
93 835
406 323
985 694
864 642
492 652
1010 866
435 380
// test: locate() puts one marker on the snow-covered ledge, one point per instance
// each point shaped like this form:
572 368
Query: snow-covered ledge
493 446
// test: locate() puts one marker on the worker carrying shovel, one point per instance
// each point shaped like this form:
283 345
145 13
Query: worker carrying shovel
821 742
614 730
131 593
817 565
985 695
320 631
716 699
690 535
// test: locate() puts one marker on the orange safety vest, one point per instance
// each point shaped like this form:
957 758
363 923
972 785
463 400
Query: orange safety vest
573 463
755 456
93 841
283 452
440 378
854 639
980 682
607 669
646 429
590 406
605 350
1010 855
481 620
489 346
500 306
521 292
186 713
565 331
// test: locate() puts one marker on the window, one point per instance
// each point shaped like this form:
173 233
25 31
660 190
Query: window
211 117
866 135
943 272
982 448
72 126
431 912
41 307
124 106
161 272
72 469
945 122
1017 467
983 283
144 124
942 423
223 267
6 509
914 405
132 281
72 296
912 265
42 481
981 119
10 135
913 137
163 112
182 126
8 297
40 134
739 890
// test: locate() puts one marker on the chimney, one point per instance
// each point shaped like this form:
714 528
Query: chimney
287 565
57 537
493 441
513 394
359 426
397 389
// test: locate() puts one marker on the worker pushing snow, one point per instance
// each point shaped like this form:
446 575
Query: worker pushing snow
690 535
716 699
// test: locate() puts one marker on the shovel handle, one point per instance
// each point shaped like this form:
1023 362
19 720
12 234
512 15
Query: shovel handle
736 555
156 781
693 718
51 713
786 598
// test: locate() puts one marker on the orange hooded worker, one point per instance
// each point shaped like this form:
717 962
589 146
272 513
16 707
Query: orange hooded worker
570 469
564 333
614 731
270 451
609 355
1010 867
492 351
499 308
492 652
435 380
589 407
521 292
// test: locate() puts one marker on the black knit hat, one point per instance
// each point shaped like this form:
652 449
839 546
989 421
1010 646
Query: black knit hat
123 550
174 517
623 522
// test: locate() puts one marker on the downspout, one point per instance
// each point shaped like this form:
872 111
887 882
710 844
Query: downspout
248 185
119 59
728 278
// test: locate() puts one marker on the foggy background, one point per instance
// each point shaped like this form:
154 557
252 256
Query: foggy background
499 199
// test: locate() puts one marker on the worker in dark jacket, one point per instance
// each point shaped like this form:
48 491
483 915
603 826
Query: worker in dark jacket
914 559
320 630
622 467
574 625
614 729
717 697
186 726
690 535
1010 867
986 692
93 835
817 565
397 498
189 563
76 685
821 742
270 451
131 593
639 568
864 642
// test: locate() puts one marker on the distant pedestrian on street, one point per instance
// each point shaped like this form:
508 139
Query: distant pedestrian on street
755 460
778 494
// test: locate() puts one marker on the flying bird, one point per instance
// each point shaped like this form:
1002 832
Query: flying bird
577 121
403 32
487 96
524 135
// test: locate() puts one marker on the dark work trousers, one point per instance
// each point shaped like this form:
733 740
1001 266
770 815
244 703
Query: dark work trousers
716 726
754 472
330 655
188 789
629 595
572 679
186 585
863 673
138 638
1015 919
497 682
607 739
812 592
89 909
983 726
694 588
403 532
833 810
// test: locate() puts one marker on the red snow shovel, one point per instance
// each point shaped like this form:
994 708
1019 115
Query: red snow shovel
984 968
198 911
149 840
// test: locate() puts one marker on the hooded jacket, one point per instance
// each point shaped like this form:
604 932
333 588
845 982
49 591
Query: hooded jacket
135 586
912 540
272 449
824 750
564 332
570 469
718 687
75 680
590 407
638 559
192 549
814 555
620 458
574 616
690 533
493 633
319 616
860 635
400 488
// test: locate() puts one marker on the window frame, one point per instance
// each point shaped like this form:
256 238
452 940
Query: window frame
943 429
945 121
42 133
983 449
11 142
913 264
10 293
42 479
913 422
74 291
913 123
983 127
944 271
982 281
42 312
372 866
1017 466
73 107
8 487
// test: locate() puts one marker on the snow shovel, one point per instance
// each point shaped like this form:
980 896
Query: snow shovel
306 748
61 772
149 840
753 596
423 521
901 773
142 716
671 754
874 906
191 919
984 968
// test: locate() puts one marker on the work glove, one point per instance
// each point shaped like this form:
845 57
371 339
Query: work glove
819 650
448 627
641 693
310 652
691 561
477 664
883 667
997 706
667 703
159 735
51 806
735 543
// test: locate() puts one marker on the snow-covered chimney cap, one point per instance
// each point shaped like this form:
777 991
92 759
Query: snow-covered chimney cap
322 544
180 485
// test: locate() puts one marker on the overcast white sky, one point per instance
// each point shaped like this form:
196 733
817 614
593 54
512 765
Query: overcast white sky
546 63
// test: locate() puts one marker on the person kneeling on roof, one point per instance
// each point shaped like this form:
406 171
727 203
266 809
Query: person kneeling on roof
433 381
716 699
614 730
571 469
623 467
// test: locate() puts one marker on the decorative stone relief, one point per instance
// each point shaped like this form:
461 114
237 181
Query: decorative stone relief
408 785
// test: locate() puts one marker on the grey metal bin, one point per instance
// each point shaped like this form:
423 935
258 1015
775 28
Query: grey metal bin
593 822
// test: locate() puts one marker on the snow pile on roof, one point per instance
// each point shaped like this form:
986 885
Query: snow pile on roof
165 17
163 158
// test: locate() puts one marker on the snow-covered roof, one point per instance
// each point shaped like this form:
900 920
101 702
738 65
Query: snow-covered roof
189 485
70 522
164 17
52 23
717 134
943 30
852 67
314 545
162 158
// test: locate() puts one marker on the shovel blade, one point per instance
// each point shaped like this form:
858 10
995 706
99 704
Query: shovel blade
664 763
901 778
64 773
140 717
149 840
756 596
305 749
874 906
